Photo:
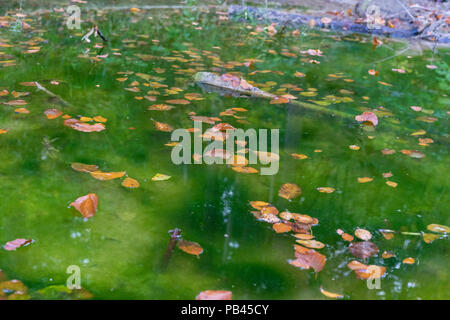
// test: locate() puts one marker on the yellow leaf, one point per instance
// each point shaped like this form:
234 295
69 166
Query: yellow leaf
100 175
160 177
289 191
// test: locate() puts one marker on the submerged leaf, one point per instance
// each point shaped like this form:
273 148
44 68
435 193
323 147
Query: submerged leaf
308 258
81 167
289 191
363 249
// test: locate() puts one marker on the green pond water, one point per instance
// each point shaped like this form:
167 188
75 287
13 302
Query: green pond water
120 249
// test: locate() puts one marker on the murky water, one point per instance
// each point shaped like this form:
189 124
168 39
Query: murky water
120 249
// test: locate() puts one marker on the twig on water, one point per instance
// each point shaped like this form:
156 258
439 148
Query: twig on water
175 235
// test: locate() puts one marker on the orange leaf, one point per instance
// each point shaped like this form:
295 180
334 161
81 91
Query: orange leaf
81 167
86 205
130 183
100 175
289 191
281 227
190 247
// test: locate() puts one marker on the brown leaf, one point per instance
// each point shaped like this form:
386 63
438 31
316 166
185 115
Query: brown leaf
308 258
214 295
314 244
190 247
178 101
86 205
363 249
289 191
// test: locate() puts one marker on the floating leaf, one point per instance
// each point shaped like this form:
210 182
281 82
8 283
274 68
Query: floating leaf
14 244
130 183
289 191
3 131
190 247
365 272
160 107
363 249
308 258
81 167
86 205
430 237
258 205
326 189
52 113
392 184
314 244
363 234
214 295
178 101
387 255
299 156
16 102
347 237
330 294
364 179
104 176
281 227
160 177
367 118
409 260
304 236
100 119
161 126
387 235
438 228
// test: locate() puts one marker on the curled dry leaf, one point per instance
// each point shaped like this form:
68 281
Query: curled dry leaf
100 175
130 183
214 295
14 244
289 191
86 205
190 247
363 249
308 258
81 167
363 234
331 295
